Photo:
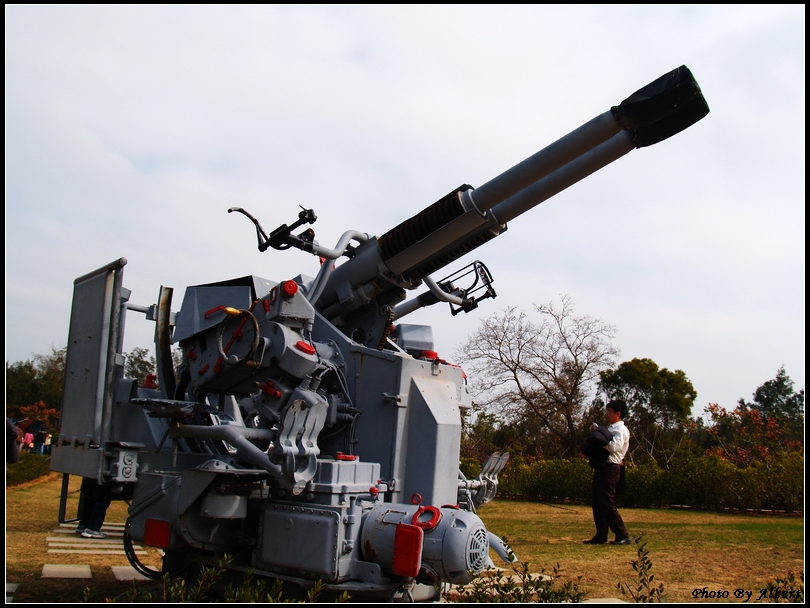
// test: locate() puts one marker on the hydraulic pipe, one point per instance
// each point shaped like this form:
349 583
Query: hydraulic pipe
238 437
418 302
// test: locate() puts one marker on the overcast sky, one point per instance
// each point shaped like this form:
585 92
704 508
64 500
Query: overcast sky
131 130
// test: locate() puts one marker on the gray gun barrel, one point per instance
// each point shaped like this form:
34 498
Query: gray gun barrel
468 217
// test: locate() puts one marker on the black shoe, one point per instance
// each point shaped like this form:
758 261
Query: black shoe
595 541
621 541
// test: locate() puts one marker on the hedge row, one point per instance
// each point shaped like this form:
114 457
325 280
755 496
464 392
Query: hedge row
30 467
702 482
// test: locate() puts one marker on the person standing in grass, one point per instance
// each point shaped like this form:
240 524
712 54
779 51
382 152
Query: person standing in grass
93 509
606 478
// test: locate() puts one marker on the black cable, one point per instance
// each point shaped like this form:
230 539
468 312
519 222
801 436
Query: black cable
129 550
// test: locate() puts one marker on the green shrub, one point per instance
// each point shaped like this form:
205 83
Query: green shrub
552 480
646 486
470 467
646 591
747 489
702 482
784 589
518 585
712 482
205 590
515 477
29 468
560 480
783 481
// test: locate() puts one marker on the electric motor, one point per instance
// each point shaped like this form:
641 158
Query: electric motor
431 544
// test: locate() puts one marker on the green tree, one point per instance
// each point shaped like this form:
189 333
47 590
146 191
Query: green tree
21 386
541 372
51 373
773 423
39 379
34 388
139 364
776 398
660 402
478 434
487 433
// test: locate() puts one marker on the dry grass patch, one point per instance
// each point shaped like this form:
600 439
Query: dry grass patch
689 549
32 514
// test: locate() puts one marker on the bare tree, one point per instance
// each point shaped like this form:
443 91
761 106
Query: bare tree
544 371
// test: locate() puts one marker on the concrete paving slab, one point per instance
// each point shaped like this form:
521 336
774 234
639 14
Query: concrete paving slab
82 540
66 571
73 524
68 532
10 589
95 546
71 528
106 522
95 551
65 531
127 573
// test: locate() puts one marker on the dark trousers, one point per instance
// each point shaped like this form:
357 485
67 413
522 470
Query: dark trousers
605 514
93 505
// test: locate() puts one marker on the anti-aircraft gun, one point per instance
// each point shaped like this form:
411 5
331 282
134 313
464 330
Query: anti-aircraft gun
308 433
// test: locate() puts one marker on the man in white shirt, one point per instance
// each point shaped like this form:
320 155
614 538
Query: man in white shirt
606 478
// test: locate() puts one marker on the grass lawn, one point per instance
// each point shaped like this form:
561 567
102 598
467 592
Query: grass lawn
688 549
32 513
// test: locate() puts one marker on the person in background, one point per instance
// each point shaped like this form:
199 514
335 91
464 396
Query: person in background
28 441
12 442
606 478
39 442
93 509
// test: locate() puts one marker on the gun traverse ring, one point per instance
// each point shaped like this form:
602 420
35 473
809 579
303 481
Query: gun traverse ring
246 316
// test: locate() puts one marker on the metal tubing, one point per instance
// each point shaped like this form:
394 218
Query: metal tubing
237 437
163 344
552 157
332 254
408 307
590 162
466 227
563 163
340 248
